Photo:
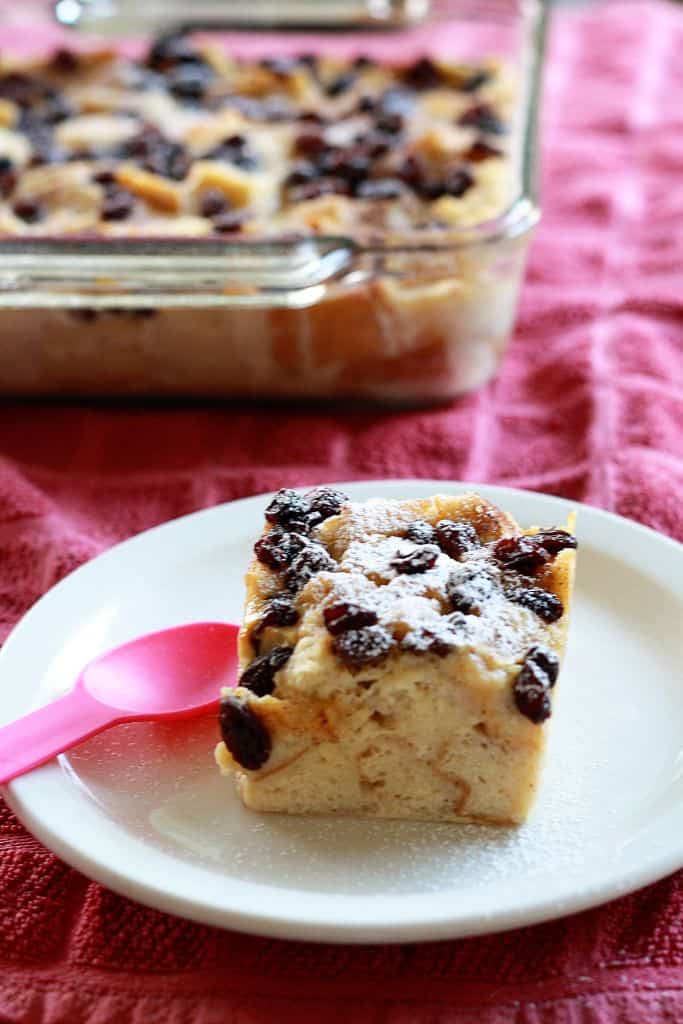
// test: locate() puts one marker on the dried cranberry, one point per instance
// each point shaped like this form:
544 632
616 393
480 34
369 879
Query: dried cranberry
418 560
423 74
555 541
546 660
420 532
481 150
228 223
380 188
312 560
525 554
118 204
390 123
213 202
360 647
468 591
483 117
341 84
310 143
288 509
244 734
279 611
456 539
343 616
326 501
259 677
544 604
29 210
277 549
530 693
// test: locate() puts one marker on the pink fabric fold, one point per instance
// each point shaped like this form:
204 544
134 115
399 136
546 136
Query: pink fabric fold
588 405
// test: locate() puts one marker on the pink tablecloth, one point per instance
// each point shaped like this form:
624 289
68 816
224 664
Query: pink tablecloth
589 405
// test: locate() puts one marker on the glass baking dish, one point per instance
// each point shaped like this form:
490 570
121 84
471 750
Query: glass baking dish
406 317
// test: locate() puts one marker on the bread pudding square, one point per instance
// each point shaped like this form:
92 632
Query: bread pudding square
398 659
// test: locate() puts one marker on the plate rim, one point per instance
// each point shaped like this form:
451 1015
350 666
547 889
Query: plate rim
305 926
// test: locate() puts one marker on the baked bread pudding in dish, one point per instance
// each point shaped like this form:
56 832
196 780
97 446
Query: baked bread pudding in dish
398 659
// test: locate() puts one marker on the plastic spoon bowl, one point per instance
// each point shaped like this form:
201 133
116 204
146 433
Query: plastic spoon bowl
175 673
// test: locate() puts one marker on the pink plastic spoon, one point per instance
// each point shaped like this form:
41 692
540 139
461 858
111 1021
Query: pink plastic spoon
175 673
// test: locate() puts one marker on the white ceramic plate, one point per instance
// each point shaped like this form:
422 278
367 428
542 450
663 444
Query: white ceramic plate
143 810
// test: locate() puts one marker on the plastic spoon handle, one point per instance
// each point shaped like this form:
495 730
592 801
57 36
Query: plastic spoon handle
42 734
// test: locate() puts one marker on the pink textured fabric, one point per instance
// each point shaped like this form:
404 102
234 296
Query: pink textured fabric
589 405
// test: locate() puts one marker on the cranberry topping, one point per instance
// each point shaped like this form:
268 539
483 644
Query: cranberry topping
213 202
469 590
380 188
423 74
481 150
343 616
29 210
312 560
277 549
244 734
544 604
483 117
546 660
530 692
420 532
418 560
118 204
259 677
456 539
360 647
326 501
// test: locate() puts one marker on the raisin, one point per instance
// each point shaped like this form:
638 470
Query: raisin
322 187
212 203
420 532
118 204
8 177
359 647
423 74
244 734
412 172
301 173
544 604
288 509
311 116
279 611
418 560
483 117
65 61
366 105
259 677
456 539
310 143
105 176
469 591
546 660
277 549
189 81
326 501
312 560
481 150
426 641
530 693
29 210
170 160
457 183
362 62
341 84
380 188
171 49
525 554
228 223
555 541
391 123
350 165
341 617
475 81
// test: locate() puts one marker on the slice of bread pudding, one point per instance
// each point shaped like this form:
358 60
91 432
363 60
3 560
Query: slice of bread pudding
398 659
